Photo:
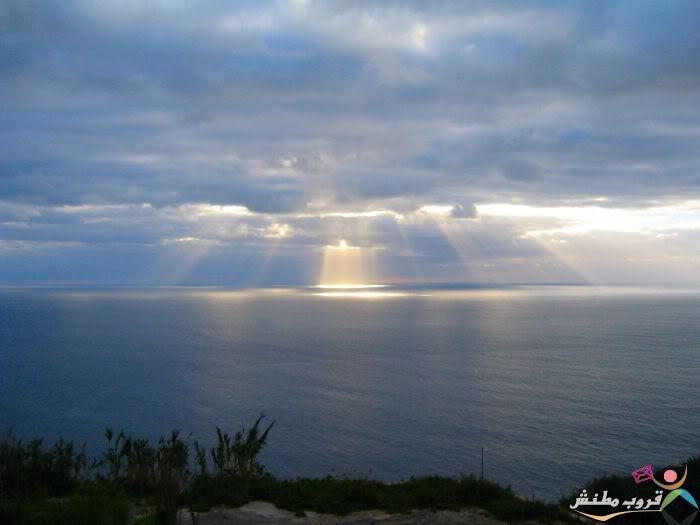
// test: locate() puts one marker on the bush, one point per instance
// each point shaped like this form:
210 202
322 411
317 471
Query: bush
56 485
171 477
237 457
91 504
28 470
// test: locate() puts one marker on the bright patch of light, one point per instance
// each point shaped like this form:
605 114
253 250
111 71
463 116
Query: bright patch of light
343 245
351 214
419 37
190 240
361 295
346 266
437 210
278 231
348 286
210 209
585 219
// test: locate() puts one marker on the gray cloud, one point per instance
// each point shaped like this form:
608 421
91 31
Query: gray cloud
314 108
463 211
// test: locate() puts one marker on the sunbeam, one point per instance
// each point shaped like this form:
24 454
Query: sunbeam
346 266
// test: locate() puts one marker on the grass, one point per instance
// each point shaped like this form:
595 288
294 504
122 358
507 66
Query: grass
28 469
56 485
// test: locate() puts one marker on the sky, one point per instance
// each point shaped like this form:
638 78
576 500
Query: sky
244 143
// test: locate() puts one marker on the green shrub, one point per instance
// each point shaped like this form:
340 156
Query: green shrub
237 457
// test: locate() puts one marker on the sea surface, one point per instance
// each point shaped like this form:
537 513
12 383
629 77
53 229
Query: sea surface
557 384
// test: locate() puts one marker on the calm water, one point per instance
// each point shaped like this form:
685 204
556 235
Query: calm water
559 384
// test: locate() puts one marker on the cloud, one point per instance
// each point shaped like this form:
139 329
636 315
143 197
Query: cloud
301 111
463 211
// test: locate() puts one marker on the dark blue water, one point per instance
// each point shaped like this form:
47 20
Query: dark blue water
559 384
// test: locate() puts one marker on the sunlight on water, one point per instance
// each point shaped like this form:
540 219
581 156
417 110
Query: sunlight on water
348 286
359 294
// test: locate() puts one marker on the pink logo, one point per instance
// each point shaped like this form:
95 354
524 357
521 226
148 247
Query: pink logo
643 474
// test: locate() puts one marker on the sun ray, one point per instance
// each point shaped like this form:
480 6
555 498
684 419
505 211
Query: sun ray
345 266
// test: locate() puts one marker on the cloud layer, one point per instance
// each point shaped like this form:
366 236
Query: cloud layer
229 143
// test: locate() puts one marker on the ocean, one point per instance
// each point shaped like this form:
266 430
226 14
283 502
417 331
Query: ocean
556 384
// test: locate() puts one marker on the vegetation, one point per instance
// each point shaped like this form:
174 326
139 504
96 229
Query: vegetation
89 504
57 485
342 496
39 485
27 469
